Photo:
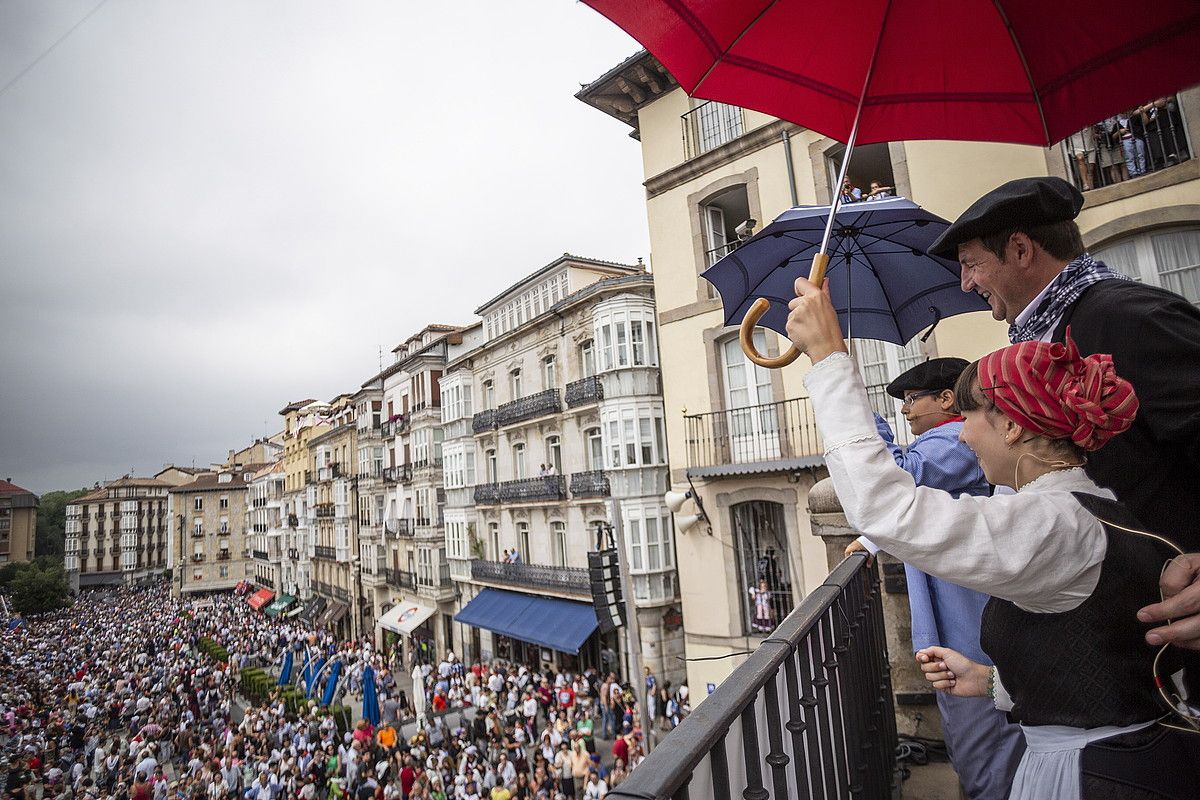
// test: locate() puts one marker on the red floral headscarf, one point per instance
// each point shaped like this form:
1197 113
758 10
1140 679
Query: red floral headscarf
1049 389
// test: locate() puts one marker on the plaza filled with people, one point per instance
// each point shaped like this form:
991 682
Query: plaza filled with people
119 696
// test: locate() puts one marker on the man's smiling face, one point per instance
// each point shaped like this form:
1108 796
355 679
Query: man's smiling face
990 278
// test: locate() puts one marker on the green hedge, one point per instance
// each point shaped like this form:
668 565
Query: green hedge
212 649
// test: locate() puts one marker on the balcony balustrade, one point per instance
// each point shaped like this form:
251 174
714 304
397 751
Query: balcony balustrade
529 407
399 579
484 421
754 434
1152 139
223 555
260 555
825 689
197 557
550 487
324 552
584 391
487 494
590 484
324 509
567 580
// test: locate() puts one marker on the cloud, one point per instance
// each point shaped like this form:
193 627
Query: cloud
209 209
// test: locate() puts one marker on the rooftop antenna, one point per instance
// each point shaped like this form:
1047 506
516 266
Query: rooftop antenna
380 358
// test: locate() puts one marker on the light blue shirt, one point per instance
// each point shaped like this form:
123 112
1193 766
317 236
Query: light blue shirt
942 613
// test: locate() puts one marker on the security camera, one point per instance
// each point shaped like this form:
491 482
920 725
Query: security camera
745 230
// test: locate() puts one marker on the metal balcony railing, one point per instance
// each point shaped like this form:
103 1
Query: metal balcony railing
754 434
584 391
710 125
569 580
399 579
590 484
260 555
808 714
484 421
324 552
223 555
529 407
1127 146
324 509
487 494
550 487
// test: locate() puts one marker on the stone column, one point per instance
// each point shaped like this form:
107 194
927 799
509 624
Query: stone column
916 706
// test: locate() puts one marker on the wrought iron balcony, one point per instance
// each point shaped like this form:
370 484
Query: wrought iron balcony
487 494
399 579
484 421
550 487
825 686
293 521
568 580
584 391
590 484
223 555
769 432
197 557
260 555
324 509
324 552
197 534
529 407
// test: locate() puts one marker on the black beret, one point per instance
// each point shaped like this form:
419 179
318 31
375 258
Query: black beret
1025 201
934 375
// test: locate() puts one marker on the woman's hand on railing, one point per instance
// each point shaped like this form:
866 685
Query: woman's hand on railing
813 323
953 673
858 547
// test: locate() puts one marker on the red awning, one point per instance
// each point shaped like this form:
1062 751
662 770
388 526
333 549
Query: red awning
260 599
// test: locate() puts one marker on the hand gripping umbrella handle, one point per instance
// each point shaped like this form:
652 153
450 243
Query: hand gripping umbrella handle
760 306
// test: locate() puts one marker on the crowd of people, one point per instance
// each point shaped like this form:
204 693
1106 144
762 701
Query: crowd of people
118 697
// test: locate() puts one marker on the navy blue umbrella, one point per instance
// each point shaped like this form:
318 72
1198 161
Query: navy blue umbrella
370 696
882 283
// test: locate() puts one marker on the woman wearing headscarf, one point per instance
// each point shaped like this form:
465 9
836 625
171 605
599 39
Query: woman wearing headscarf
1066 566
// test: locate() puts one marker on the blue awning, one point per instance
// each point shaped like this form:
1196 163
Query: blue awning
558 624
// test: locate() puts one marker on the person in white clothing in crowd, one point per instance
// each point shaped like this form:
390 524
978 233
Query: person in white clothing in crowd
1067 567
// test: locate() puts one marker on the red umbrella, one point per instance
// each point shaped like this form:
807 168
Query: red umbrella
1022 71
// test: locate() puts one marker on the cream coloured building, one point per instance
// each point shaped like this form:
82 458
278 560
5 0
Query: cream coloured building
265 525
742 436
302 420
18 523
553 423
212 539
416 574
118 533
330 487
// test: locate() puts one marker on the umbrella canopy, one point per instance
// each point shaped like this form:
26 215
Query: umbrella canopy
331 683
285 672
1024 71
370 696
881 281
312 671
418 693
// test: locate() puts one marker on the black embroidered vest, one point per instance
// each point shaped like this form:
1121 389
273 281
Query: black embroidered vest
1090 666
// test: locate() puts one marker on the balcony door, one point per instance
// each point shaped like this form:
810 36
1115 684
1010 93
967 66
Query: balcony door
750 417
880 364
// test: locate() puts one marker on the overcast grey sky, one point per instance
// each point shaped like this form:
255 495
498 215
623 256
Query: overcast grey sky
208 209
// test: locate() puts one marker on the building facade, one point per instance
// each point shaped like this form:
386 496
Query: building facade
302 420
331 500
741 436
212 546
265 525
118 534
416 573
18 523
554 441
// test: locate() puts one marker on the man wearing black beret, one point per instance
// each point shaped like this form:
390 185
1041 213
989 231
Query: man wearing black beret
1019 248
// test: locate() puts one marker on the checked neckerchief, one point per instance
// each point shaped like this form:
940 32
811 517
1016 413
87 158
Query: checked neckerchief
1062 292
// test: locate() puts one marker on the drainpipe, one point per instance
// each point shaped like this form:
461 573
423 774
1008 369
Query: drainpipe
791 170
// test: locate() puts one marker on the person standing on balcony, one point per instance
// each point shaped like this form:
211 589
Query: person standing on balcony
1020 249
1066 565
984 746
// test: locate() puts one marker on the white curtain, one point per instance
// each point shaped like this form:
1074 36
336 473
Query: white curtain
1177 256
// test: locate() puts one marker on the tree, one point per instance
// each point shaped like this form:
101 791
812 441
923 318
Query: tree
38 588
52 521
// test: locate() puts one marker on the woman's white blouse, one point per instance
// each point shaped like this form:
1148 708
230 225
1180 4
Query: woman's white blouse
1038 548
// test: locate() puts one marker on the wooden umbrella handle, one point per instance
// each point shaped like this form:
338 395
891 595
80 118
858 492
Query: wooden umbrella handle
760 307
